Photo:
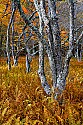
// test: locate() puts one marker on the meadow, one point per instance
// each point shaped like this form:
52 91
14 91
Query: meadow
24 102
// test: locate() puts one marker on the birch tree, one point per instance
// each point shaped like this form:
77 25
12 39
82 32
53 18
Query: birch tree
59 73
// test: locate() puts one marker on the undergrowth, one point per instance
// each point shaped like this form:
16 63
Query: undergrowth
23 101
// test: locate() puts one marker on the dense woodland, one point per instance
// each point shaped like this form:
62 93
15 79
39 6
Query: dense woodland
41 62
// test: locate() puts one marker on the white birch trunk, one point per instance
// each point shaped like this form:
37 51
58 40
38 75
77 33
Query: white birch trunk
41 59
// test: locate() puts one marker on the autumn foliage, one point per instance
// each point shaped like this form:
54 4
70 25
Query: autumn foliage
23 101
22 98
25 10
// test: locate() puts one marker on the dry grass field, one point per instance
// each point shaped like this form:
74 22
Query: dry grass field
23 101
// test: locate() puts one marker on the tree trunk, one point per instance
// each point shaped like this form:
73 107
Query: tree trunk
50 52
15 59
79 47
27 64
61 81
56 35
8 40
41 59
1 38
53 45
71 35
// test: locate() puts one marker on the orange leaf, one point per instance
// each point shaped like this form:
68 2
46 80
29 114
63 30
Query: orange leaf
31 0
36 13
25 10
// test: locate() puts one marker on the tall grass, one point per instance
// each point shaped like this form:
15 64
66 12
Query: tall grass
23 101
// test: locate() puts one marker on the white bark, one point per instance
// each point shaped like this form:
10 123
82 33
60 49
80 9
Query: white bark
41 58
61 81
15 59
53 46
71 35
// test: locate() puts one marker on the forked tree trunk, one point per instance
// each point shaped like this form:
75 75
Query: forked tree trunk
53 46
51 24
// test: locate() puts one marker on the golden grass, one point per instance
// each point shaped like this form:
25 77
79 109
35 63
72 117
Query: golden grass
23 101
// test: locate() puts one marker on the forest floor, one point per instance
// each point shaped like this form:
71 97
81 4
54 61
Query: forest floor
23 101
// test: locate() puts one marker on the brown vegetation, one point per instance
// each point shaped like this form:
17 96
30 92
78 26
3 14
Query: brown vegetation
23 101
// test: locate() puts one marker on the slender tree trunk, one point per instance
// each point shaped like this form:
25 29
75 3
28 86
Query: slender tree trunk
51 56
8 40
41 70
15 59
41 59
61 81
79 46
28 55
33 51
71 35
50 52
27 64
28 58
56 35
8 48
1 38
